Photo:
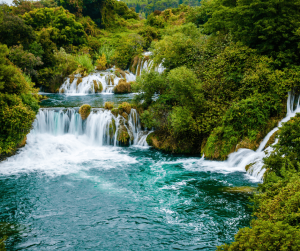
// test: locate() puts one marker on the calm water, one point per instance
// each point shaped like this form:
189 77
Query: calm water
94 100
62 193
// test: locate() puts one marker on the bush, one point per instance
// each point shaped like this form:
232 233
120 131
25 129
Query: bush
17 105
107 51
276 207
13 30
85 62
64 25
27 61
127 49
101 63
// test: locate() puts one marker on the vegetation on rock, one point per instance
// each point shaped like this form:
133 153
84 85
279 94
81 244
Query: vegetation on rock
85 111
122 87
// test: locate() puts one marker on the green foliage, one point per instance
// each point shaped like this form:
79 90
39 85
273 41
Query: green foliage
148 120
86 62
149 34
261 25
276 223
13 30
65 63
65 29
36 49
127 49
156 21
27 61
183 46
108 51
150 83
17 105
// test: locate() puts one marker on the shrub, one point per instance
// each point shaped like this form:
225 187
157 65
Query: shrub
18 106
13 31
101 63
85 62
27 61
107 51
127 49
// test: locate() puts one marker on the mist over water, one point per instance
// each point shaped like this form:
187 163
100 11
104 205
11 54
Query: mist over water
63 191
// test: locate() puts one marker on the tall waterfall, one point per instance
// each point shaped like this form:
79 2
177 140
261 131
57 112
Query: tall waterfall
100 128
244 157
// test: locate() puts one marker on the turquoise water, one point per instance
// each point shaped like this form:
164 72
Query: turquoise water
62 193
94 100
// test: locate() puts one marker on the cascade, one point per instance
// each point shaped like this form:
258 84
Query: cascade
244 157
90 84
100 128
108 78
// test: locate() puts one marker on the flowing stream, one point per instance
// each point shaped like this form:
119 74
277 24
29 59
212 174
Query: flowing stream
72 187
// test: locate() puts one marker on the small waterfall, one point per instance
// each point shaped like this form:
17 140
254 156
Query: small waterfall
108 78
90 84
254 159
100 128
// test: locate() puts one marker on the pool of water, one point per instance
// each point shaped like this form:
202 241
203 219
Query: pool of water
94 100
65 193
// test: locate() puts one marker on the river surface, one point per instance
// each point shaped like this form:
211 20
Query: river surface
63 193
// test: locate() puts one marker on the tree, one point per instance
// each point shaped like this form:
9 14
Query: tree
272 27
14 31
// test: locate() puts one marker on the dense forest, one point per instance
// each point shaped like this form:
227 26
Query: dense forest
228 68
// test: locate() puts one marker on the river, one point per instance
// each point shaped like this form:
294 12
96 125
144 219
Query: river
64 192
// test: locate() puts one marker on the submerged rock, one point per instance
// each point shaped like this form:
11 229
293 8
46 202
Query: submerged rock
245 189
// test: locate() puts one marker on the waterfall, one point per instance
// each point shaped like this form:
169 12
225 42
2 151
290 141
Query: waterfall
108 78
100 128
254 159
90 84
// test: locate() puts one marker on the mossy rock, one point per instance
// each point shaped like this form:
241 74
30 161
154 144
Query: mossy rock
98 87
22 142
247 167
109 105
245 189
123 136
79 80
120 73
72 77
85 111
112 128
124 107
125 115
161 140
134 64
115 111
122 87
